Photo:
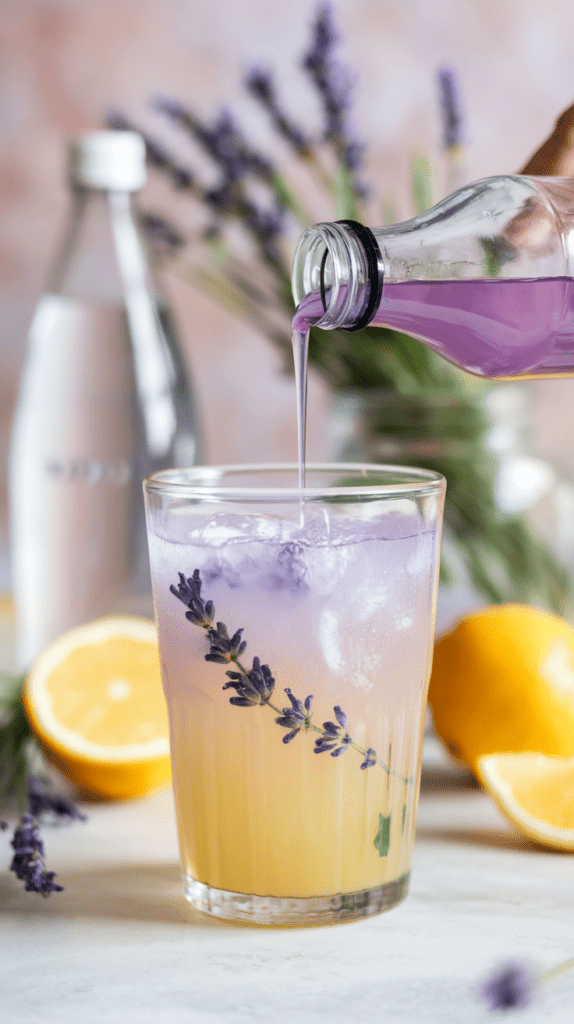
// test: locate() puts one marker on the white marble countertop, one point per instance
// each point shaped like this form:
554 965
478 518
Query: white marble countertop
121 945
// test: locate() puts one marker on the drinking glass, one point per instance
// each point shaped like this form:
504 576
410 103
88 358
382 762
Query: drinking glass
295 631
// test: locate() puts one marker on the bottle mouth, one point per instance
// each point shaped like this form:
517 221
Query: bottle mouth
337 275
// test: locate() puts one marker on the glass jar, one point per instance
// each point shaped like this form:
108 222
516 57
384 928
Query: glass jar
509 520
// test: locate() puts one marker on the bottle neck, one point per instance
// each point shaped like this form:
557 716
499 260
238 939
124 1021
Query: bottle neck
101 254
338 275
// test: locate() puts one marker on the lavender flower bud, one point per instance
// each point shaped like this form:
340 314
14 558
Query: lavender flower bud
223 647
335 738
512 986
42 802
28 860
297 717
452 119
334 85
252 688
189 591
370 759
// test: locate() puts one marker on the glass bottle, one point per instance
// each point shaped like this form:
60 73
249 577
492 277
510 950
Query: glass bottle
484 278
104 401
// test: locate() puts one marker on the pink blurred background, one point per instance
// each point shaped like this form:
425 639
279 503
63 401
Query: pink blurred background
65 63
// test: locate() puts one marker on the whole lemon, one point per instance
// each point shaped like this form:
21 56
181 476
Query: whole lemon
503 680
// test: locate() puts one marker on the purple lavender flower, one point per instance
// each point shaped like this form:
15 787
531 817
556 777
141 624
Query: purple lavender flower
512 986
44 803
450 105
370 758
260 84
336 738
223 140
224 648
189 591
28 860
334 85
161 233
297 717
252 688
3 826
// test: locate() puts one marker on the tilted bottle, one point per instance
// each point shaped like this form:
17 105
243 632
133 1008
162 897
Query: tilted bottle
485 278
104 401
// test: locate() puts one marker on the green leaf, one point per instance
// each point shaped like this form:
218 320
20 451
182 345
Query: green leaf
382 840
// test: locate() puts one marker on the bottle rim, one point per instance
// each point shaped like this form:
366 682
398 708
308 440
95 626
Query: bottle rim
339 267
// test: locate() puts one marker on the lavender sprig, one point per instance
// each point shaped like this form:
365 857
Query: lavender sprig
20 760
28 860
255 686
451 109
236 159
515 985
334 84
222 141
452 124
43 804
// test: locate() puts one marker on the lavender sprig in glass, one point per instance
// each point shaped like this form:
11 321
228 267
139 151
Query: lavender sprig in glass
255 686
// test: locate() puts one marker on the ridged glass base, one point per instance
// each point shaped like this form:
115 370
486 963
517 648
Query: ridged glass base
273 910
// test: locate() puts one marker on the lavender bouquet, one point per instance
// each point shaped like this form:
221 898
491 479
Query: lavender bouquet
25 785
240 255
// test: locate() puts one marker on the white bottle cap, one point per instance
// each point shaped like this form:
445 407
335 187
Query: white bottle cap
108 161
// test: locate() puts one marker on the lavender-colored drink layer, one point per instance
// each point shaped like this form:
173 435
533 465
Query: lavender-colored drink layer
491 327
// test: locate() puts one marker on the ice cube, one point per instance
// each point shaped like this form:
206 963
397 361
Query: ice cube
227 528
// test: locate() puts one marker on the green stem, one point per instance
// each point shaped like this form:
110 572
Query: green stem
556 971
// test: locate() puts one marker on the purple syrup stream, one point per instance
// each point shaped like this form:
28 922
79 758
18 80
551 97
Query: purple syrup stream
300 353
491 327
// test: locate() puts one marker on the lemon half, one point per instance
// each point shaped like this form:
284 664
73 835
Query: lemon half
95 702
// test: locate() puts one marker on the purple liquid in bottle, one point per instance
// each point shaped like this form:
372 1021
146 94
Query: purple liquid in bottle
493 328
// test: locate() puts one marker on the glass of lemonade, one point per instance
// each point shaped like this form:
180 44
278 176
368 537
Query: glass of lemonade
296 644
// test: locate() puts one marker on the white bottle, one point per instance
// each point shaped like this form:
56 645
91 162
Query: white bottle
104 401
